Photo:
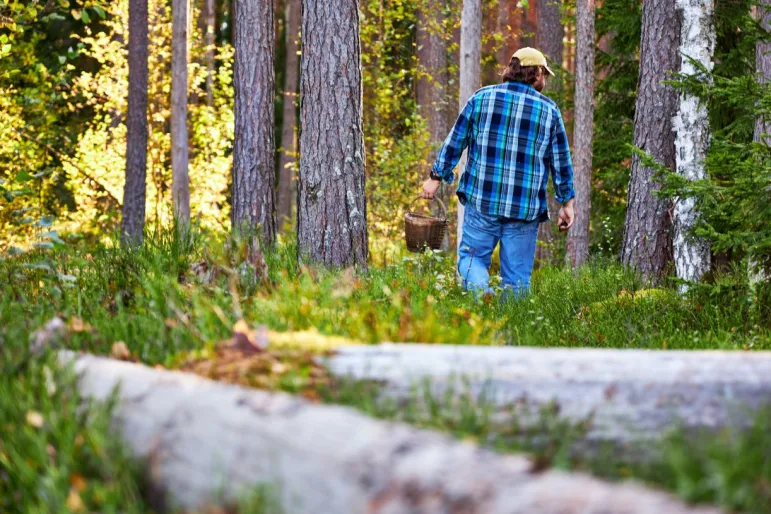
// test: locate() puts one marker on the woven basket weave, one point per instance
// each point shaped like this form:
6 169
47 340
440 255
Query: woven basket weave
421 231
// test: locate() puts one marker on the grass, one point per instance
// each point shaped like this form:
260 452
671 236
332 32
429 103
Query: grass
172 300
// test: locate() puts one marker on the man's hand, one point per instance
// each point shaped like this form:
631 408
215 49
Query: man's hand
430 187
567 215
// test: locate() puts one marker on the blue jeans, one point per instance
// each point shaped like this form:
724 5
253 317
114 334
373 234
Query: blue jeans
481 233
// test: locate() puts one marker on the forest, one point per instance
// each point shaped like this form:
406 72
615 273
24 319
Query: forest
220 187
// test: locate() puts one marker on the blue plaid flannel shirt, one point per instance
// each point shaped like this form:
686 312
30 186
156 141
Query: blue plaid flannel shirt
515 138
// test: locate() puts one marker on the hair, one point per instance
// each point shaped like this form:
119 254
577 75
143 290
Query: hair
515 72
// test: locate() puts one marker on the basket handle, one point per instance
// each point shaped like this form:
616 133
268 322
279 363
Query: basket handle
436 198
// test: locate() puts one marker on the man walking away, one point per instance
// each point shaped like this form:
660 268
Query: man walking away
515 138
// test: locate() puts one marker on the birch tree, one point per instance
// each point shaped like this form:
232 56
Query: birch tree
135 187
254 146
180 190
332 210
647 244
286 185
697 46
470 70
762 124
578 236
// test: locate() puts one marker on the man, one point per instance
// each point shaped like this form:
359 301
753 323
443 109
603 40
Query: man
515 138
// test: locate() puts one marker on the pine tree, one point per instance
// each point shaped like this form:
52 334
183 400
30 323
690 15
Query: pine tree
180 159
332 210
133 222
470 69
578 237
254 145
647 244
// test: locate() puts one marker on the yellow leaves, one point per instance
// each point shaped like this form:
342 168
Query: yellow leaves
77 482
34 419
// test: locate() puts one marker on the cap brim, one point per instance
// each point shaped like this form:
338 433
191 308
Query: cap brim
548 70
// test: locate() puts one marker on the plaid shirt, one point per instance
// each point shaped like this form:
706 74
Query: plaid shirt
515 137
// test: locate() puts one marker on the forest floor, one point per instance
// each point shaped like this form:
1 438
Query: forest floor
189 305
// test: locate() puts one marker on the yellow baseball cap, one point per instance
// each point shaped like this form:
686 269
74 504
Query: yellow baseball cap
532 57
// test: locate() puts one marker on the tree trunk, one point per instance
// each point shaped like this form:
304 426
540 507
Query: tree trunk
180 191
697 41
470 70
254 146
332 211
583 133
630 396
206 443
133 222
287 192
762 124
549 40
207 24
431 86
647 244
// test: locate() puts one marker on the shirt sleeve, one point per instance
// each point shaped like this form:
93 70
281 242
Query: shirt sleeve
452 148
561 163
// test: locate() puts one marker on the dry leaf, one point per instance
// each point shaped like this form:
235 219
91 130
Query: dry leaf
78 325
74 502
35 419
78 483
247 340
120 351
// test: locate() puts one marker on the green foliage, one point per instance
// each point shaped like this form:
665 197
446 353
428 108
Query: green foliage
56 456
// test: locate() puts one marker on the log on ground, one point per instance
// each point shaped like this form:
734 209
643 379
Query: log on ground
628 395
205 441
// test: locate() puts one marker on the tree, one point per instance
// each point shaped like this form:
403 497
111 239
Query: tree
431 87
286 189
647 244
180 189
254 145
583 133
762 123
332 211
549 36
697 45
206 23
470 69
133 222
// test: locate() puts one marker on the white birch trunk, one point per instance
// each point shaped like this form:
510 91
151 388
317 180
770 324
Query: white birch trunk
630 395
691 125
207 442
470 71
180 191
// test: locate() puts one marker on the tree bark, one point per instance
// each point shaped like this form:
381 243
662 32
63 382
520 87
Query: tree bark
206 442
254 146
180 159
647 244
431 87
549 40
134 191
287 192
630 396
583 134
332 210
697 41
470 70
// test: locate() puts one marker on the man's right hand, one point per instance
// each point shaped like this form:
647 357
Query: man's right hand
430 187
567 215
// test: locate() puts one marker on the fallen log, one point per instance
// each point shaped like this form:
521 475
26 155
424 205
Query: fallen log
629 395
205 441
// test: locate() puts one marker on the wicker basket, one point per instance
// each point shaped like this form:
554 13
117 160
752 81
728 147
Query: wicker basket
421 231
